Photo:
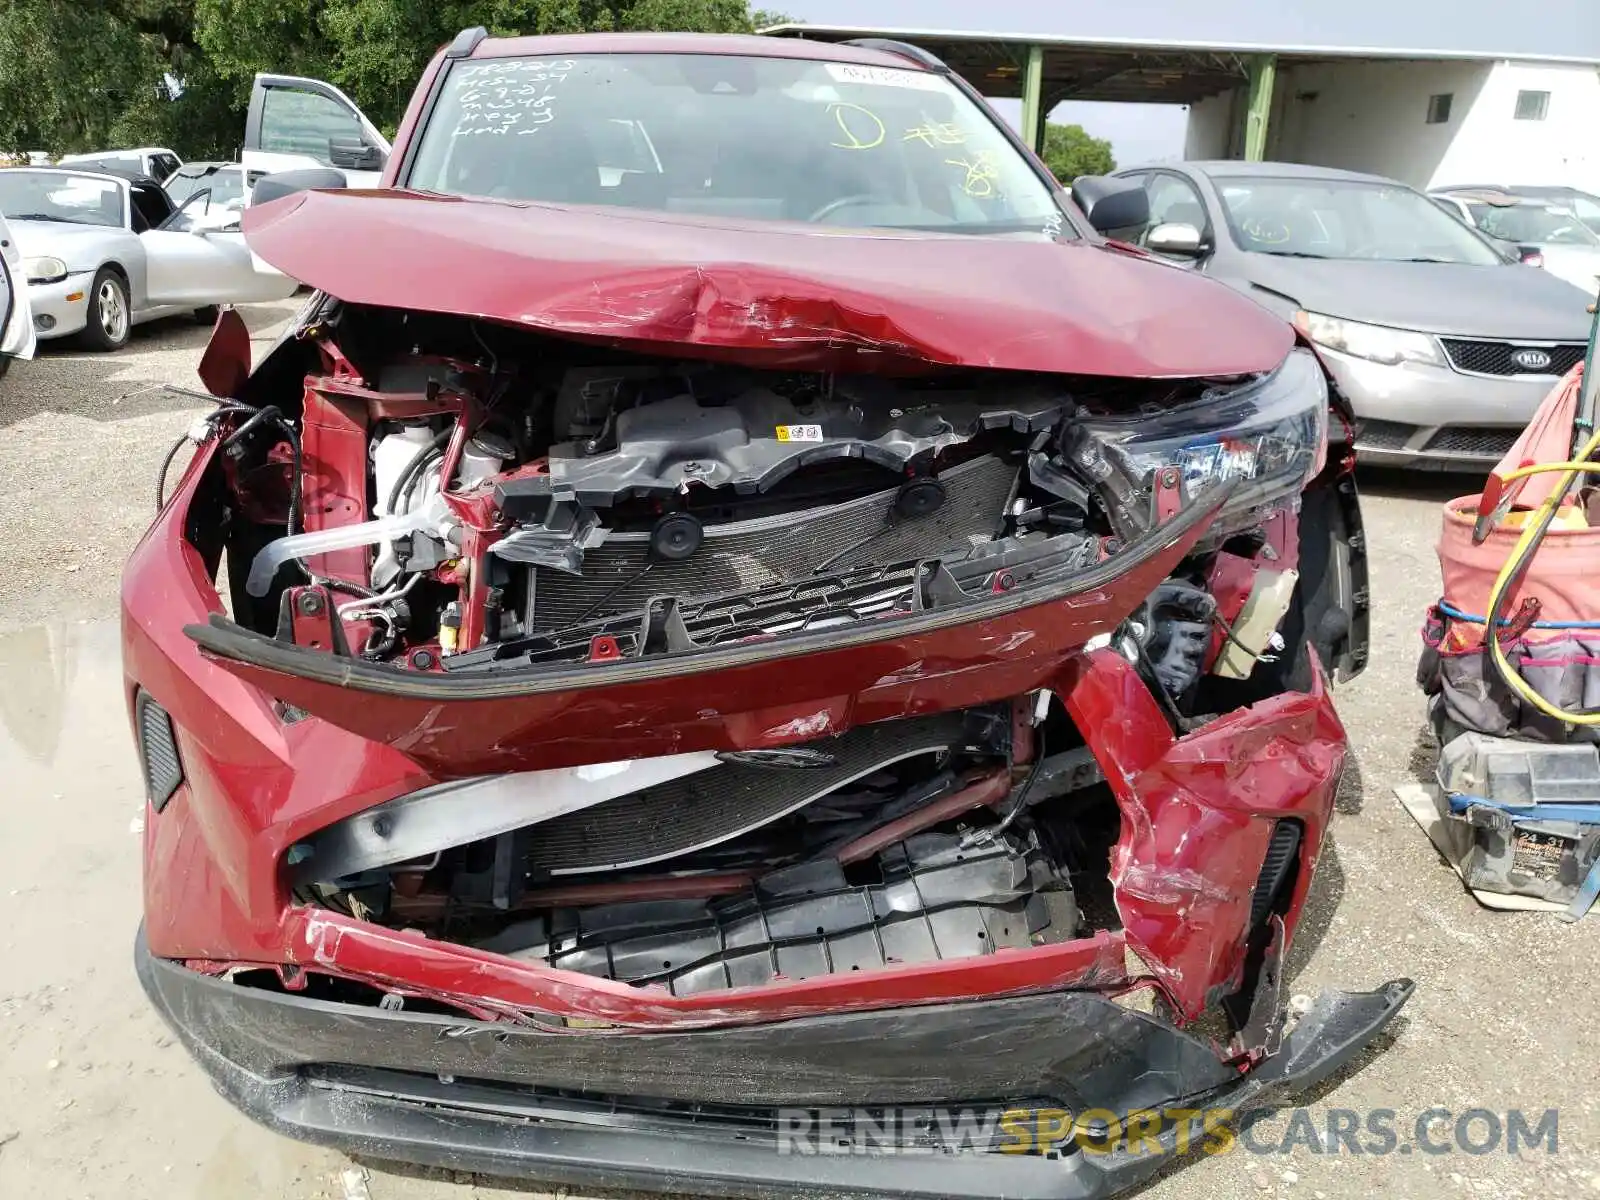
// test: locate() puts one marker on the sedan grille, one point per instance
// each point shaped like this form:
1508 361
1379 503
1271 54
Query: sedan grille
1498 358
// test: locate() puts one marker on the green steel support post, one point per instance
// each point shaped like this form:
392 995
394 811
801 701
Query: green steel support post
1263 74
1033 100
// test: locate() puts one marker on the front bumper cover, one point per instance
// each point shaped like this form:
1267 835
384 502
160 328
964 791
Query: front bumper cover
50 300
430 1089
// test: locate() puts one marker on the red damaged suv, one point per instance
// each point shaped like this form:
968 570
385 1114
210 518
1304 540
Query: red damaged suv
733 603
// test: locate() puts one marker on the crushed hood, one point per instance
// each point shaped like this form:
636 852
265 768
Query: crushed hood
769 293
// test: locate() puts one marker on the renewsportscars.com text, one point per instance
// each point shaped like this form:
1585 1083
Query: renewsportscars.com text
1377 1131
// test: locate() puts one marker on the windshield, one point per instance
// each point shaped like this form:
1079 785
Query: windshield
749 138
1349 219
1544 225
60 196
225 185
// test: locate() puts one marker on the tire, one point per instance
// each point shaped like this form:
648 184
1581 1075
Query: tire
5 364
110 319
207 315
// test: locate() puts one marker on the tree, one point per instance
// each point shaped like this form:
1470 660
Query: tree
95 74
1070 152
376 49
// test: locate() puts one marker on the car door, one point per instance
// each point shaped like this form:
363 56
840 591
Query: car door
17 338
294 123
198 257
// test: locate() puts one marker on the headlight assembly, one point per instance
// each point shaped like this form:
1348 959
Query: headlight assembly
44 269
1375 343
1268 434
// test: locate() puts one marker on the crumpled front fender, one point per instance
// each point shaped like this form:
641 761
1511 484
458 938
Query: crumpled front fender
1198 812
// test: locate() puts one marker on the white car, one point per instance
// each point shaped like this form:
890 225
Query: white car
1564 245
102 254
16 317
155 161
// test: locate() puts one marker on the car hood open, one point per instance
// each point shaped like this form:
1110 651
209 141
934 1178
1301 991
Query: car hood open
769 293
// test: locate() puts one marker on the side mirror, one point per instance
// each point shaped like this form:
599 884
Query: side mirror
355 155
286 183
1175 237
1112 203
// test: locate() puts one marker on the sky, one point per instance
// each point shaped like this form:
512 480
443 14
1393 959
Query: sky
1150 132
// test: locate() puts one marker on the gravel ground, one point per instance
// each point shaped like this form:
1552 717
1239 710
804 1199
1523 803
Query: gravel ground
96 1101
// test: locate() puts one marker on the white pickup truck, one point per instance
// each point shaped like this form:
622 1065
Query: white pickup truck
296 123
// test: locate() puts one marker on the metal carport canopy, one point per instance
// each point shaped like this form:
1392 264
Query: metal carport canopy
1139 70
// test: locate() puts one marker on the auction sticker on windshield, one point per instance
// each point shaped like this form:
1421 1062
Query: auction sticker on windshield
884 76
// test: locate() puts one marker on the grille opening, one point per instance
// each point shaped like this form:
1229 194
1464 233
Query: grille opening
1474 441
1277 871
1499 358
158 751
1383 435
902 1129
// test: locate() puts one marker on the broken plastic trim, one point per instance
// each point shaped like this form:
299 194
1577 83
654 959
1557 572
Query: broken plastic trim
439 818
453 814
222 638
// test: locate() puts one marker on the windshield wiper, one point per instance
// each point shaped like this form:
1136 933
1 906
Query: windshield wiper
1291 254
42 217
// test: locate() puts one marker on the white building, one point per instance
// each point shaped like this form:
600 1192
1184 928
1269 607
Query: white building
1427 123
1459 114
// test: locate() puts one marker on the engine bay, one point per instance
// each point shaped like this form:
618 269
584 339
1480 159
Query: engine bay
489 503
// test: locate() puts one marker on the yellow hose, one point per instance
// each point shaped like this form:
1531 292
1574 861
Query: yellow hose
1531 535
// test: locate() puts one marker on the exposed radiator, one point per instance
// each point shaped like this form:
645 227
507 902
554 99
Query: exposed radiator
712 806
618 575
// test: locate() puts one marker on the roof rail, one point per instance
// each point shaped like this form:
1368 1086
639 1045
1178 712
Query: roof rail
904 49
466 42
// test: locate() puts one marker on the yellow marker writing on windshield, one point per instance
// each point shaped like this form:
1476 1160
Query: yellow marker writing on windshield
936 133
862 131
980 175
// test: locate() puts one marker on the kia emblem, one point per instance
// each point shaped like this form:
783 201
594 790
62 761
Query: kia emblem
1530 359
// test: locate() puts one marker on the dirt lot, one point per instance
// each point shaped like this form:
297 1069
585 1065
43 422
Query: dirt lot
96 1100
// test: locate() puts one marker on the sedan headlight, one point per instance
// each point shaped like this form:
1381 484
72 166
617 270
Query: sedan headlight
44 269
1376 343
1269 435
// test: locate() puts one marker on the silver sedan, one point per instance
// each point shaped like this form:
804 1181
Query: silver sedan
1442 347
102 254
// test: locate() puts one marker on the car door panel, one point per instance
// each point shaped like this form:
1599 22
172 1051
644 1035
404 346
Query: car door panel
198 257
205 267
295 123
17 337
